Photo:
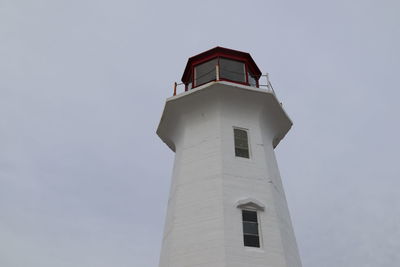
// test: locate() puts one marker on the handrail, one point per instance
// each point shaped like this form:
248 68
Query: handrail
268 86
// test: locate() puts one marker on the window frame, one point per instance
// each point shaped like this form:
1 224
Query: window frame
258 235
247 69
194 78
252 204
248 143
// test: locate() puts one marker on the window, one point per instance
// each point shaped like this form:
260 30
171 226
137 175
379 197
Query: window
241 143
232 70
205 72
252 79
250 209
251 236
228 70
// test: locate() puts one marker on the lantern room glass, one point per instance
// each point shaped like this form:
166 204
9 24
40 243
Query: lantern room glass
229 70
252 79
205 72
232 70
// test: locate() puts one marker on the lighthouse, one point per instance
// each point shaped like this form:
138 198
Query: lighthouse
227 206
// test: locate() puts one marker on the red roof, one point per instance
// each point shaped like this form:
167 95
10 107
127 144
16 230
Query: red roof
219 52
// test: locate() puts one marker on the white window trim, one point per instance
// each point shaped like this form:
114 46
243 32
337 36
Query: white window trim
252 204
248 143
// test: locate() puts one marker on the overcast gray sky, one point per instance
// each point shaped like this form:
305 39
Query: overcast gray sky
84 179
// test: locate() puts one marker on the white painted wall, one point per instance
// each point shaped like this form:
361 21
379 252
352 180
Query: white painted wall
203 225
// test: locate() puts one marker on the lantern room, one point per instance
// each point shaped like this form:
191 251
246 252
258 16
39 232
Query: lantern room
221 64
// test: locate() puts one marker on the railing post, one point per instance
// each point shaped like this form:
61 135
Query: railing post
217 72
175 84
268 84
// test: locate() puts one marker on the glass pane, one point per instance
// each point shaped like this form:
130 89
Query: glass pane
243 153
251 241
241 143
250 228
242 134
252 79
205 72
249 216
232 70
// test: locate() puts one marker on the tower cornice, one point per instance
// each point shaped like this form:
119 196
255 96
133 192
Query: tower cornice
177 105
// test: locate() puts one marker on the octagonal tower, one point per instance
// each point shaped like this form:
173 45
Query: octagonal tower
227 206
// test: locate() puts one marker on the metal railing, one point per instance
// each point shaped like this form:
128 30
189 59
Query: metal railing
266 85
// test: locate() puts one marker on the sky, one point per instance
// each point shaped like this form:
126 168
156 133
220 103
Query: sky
84 180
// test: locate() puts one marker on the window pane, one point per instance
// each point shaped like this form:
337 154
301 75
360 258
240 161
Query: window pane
252 79
232 70
205 72
241 143
243 153
241 134
250 228
249 216
251 241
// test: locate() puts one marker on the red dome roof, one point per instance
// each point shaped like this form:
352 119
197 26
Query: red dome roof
219 52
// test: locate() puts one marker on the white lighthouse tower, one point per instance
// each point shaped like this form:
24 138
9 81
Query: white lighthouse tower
227 206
